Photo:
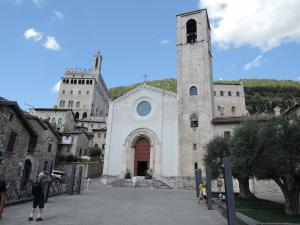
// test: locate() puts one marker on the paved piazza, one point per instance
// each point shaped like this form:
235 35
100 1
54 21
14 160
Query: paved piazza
119 206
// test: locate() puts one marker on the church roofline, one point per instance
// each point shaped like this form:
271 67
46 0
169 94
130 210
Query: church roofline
191 12
147 87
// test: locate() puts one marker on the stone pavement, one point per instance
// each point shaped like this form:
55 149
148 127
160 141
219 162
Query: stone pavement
119 206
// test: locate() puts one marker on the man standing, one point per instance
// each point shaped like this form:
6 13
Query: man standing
2 196
38 192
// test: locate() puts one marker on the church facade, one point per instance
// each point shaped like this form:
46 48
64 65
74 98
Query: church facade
166 133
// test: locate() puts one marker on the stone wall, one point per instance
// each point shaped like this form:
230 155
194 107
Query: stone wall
90 169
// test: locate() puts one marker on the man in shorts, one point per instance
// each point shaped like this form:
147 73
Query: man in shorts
38 192
2 196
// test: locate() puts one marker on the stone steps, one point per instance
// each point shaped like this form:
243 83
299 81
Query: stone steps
140 183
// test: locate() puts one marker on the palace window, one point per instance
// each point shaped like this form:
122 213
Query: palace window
221 109
87 92
62 103
237 93
75 81
194 120
79 93
70 104
79 81
53 121
77 104
214 93
221 93
72 81
63 92
82 81
229 93
71 92
60 121
233 110
191 31
193 90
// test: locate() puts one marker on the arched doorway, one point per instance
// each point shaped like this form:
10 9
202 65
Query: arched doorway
26 173
142 156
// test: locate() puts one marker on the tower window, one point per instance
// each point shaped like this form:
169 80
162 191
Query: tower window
237 93
79 93
229 93
75 81
194 146
71 92
194 120
77 104
82 81
63 92
221 93
67 81
72 81
60 121
193 90
62 103
96 62
191 31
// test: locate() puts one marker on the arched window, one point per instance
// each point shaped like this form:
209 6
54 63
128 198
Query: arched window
84 115
191 31
193 90
221 109
229 93
60 121
75 81
77 115
221 93
62 103
63 92
194 120
70 104
67 81
79 81
233 110
87 92
82 81
72 81
77 104
79 93
53 121
237 93
71 92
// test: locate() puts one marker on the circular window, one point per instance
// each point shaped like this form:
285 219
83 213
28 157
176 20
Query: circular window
143 108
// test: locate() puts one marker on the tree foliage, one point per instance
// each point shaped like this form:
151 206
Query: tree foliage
262 95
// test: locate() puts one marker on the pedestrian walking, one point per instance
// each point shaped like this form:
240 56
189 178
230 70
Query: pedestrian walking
2 196
38 192
134 181
201 187
88 183
205 194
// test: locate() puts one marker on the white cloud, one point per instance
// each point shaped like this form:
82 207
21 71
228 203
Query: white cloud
38 3
32 34
56 87
263 24
51 43
165 42
58 15
254 63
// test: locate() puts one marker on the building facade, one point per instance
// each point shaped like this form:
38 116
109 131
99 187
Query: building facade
166 133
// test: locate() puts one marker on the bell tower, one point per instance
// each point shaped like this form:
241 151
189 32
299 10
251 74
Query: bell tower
97 63
195 90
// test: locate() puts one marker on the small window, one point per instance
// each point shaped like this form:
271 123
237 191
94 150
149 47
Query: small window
229 93
77 104
194 120
233 110
84 115
237 93
91 81
32 143
11 141
194 146
227 134
72 81
221 109
82 81
193 90
75 81
214 93
221 93
53 121
64 80
11 116
103 146
79 81
49 147
196 165
71 92
67 81
79 93
82 124
87 92
63 92
62 103
77 115
104 135
99 135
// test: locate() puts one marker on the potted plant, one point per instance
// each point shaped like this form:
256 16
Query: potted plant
148 174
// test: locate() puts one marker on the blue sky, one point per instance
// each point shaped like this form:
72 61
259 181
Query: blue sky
41 38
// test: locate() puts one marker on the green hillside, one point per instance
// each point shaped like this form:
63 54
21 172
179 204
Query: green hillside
262 95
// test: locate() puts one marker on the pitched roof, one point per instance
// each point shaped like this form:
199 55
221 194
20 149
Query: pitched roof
14 105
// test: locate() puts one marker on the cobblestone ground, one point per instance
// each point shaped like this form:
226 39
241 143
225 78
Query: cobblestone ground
119 206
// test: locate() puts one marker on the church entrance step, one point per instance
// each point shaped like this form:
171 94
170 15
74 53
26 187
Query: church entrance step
141 182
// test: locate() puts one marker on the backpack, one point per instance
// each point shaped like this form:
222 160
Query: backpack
36 188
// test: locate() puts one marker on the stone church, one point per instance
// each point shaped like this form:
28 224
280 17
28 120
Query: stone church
164 132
